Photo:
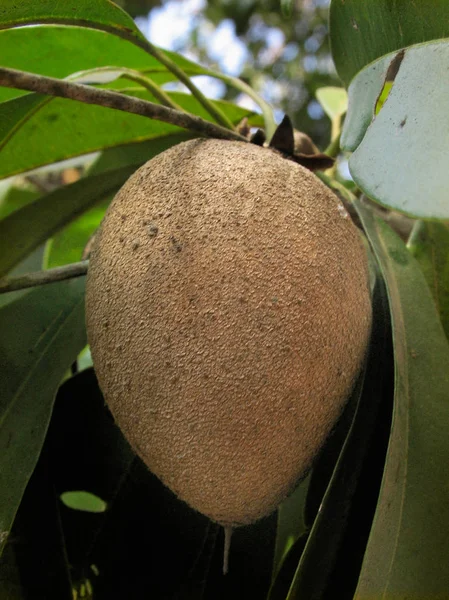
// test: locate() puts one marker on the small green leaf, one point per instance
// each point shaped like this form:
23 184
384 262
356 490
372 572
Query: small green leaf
361 31
401 158
429 243
26 228
84 501
42 333
407 550
334 101
84 360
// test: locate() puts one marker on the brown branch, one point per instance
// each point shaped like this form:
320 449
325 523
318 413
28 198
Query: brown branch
84 93
21 282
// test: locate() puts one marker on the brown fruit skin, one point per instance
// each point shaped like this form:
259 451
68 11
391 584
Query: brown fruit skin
228 313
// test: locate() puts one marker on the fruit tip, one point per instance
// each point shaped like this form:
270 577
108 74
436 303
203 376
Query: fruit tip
227 547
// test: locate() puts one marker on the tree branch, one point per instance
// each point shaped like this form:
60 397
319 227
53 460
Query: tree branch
83 93
21 282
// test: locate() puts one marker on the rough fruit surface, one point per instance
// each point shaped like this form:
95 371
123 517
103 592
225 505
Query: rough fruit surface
228 312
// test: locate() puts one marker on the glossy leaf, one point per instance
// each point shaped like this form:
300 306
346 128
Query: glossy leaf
334 101
407 551
361 32
25 229
42 333
58 51
401 157
101 14
62 129
429 243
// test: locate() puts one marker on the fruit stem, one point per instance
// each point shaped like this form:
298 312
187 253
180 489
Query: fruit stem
21 282
227 547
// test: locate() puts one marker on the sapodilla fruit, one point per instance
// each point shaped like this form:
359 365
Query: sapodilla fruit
228 312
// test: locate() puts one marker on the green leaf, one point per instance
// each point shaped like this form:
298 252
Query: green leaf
84 501
400 157
100 14
407 551
25 229
334 101
361 31
429 243
33 262
10 585
67 245
363 94
13 197
58 51
15 113
62 129
42 333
